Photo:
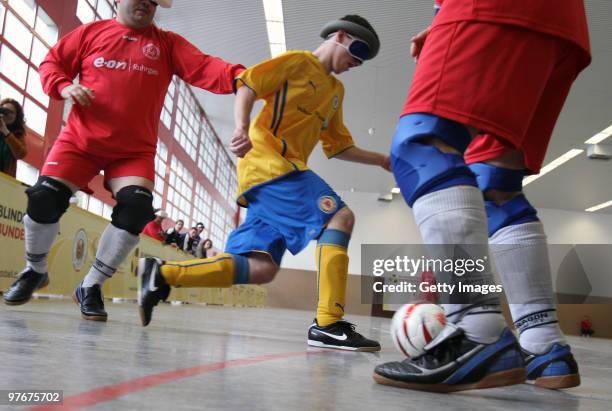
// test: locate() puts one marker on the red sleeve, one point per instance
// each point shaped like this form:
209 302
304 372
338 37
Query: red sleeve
62 64
201 70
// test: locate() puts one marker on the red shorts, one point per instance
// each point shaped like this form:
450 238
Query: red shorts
507 81
68 162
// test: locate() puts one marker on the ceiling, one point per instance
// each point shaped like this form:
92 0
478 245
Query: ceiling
236 31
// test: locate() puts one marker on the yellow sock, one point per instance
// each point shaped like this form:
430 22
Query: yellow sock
332 267
223 270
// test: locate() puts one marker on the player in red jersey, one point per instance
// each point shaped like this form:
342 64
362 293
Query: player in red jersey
124 66
491 79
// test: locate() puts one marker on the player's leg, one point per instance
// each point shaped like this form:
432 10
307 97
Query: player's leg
252 256
518 242
48 200
470 72
335 222
65 170
133 210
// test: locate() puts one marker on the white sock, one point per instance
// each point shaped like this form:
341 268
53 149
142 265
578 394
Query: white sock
456 215
115 245
38 241
520 253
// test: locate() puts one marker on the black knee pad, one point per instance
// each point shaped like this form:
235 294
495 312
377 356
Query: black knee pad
48 200
134 209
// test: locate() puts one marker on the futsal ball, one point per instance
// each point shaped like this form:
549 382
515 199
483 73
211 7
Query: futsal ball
415 325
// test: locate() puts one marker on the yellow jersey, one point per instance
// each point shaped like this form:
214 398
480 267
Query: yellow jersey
302 105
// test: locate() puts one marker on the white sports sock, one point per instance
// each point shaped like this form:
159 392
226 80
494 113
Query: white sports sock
115 245
520 253
38 241
456 215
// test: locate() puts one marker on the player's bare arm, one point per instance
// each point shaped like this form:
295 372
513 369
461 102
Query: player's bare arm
359 155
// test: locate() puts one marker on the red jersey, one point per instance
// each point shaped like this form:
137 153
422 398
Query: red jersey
559 18
130 71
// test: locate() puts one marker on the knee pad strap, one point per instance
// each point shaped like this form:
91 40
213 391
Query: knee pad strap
48 200
134 209
491 177
513 212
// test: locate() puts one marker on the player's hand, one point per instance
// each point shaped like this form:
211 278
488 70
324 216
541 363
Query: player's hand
241 143
417 43
78 94
386 163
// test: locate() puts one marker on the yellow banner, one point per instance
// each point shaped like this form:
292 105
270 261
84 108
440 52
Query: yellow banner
74 252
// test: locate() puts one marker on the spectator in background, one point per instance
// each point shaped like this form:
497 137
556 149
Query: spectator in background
586 327
200 227
205 249
12 136
154 228
191 241
173 234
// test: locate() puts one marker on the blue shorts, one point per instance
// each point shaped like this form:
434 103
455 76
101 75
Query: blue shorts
286 213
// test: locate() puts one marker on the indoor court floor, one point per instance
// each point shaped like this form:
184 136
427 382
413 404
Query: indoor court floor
211 358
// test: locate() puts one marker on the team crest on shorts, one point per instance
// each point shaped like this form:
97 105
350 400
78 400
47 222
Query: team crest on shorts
335 102
151 51
79 250
327 204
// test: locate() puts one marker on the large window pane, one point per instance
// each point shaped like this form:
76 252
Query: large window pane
6 90
84 12
104 9
18 34
46 28
39 52
13 67
2 10
36 116
35 88
26 9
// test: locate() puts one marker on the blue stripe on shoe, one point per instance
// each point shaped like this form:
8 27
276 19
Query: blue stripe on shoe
334 237
506 340
556 353
241 268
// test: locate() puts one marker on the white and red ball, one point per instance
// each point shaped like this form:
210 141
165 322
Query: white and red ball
416 325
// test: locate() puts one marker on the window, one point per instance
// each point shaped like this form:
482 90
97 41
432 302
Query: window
91 10
188 120
166 114
161 166
207 158
217 227
202 209
27 35
180 192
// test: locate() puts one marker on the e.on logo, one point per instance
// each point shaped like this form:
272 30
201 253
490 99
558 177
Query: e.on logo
111 64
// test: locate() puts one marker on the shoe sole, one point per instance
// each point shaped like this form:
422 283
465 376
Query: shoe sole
21 302
314 343
498 379
85 316
558 382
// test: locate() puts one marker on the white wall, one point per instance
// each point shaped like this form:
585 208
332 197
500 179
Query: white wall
392 223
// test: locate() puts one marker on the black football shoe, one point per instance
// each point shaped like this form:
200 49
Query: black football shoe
22 289
152 288
91 302
340 335
452 363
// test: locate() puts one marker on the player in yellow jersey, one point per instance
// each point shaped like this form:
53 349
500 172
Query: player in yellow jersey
289 205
